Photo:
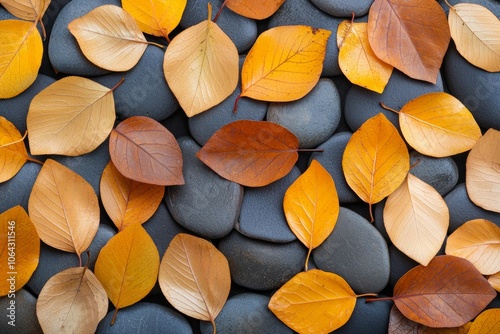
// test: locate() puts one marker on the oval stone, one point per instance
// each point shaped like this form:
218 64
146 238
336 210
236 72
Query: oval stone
368 317
440 173
17 190
19 317
344 8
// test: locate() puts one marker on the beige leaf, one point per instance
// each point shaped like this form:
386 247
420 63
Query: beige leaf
494 280
29 10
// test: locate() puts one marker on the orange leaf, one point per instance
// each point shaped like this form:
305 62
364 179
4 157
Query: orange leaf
29 10
494 281
478 241
314 301
251 153
194 277
254 9
375 160
145 151
311 206
19 249
487 322
13 154
412 36
127 201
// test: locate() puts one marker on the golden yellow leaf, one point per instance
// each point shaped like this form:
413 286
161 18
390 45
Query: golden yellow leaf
156 17
416 219
13 154
314 301
72 301
487 322
478 241
357 60
311 206
494 281
19 249
482 172
30 10
127 201
284 64
476 33
72 116
201 66
254 9
21 51
438 125
63 208
375 160
194 277
127 266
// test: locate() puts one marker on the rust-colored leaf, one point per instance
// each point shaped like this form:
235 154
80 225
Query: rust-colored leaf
254 9
251 153
487 322
29 10
13 153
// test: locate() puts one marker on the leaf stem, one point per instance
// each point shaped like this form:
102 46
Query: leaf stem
34 160
387 108
415 164
371 212
235 108
213 326
369 300
114 317
118 84
310 150
161 46
15 141
306 265
367 295
219 11
79 259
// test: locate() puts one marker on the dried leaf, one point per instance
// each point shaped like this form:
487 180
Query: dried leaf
449 292
357 60
254 9
375 160
311 206
13 153
19 249
482 172
127 201
476 33
251 153
412 36
21 51
314 301
494 281
72 116
29 10
145 151
72 301
487 322
478 241
284 64
194 277
201 66
416 219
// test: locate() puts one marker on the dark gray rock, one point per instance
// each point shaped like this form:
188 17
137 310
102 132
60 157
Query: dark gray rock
177 124
246 313
378 215
440 173
17 190
368 318
313 118
23 319
261 265
400 265
262 215
356 251
344 8
206 204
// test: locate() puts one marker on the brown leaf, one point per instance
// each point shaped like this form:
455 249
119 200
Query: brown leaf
254 9
13 153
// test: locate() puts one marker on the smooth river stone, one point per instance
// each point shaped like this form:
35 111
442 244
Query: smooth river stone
344 8
24 318
440 173
261 265
356 251
17 190
368 318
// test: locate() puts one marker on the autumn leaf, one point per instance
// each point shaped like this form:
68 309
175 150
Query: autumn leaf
311 206
314 301
375 161
145 151
416 219
478 241
254 9
21 51
13 153
357 60
19 249
482 172
487 322
72 301
194 277
494 281
201 66
127 201
29 10
72 116
476 33
251 153
127 266
63 208
412 36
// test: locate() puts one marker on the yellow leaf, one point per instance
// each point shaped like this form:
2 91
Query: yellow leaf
494 281
63 208
72 301
476 33
19 249
127 201
375 160
72 116
254 9
127 266
487 322
284 64
13 154
438 125
109 37
478 241
156 17
201 66
21 51
194 277
30 10
416 219
482 172
357 60
311 206
314 301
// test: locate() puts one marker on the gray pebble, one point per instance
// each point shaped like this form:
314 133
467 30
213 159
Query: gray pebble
23 320
368 318
344 8
440 173
17 190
